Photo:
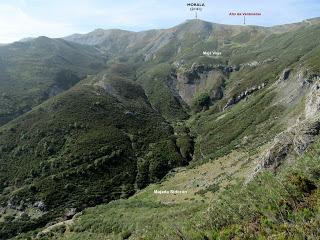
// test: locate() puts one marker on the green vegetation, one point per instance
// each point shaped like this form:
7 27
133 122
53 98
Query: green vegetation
283 206
82 148
247 125
33 71
161 96
95 128
152 220
202 101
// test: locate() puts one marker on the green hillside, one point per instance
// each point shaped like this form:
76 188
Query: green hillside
99 141
285 206
35 70
123 115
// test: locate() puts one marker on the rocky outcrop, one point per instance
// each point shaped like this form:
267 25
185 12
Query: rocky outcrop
285 74
201 78
69 213
305 134
209 78
199 71
313 100
258 63
296 139
278 151
291 142
40 205
234 100
293 85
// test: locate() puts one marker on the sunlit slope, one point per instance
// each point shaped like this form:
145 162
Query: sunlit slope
35 70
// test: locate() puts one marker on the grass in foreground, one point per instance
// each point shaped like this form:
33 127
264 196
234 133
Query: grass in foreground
283 206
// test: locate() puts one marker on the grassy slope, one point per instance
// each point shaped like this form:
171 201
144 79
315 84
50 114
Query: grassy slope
248 125
285 206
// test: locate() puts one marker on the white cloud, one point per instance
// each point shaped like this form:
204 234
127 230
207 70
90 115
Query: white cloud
16 24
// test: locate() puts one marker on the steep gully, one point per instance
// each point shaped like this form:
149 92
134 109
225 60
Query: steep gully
289 143
186 85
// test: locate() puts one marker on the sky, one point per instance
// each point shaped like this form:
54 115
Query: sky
57 18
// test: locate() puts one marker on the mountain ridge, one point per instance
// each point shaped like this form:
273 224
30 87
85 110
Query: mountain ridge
283 27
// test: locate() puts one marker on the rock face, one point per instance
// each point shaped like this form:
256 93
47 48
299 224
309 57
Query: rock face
313 101
305 134
296 139
293 141
294 84
70 213
234 100
285 74
200 78
40 205
278 151
258 63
